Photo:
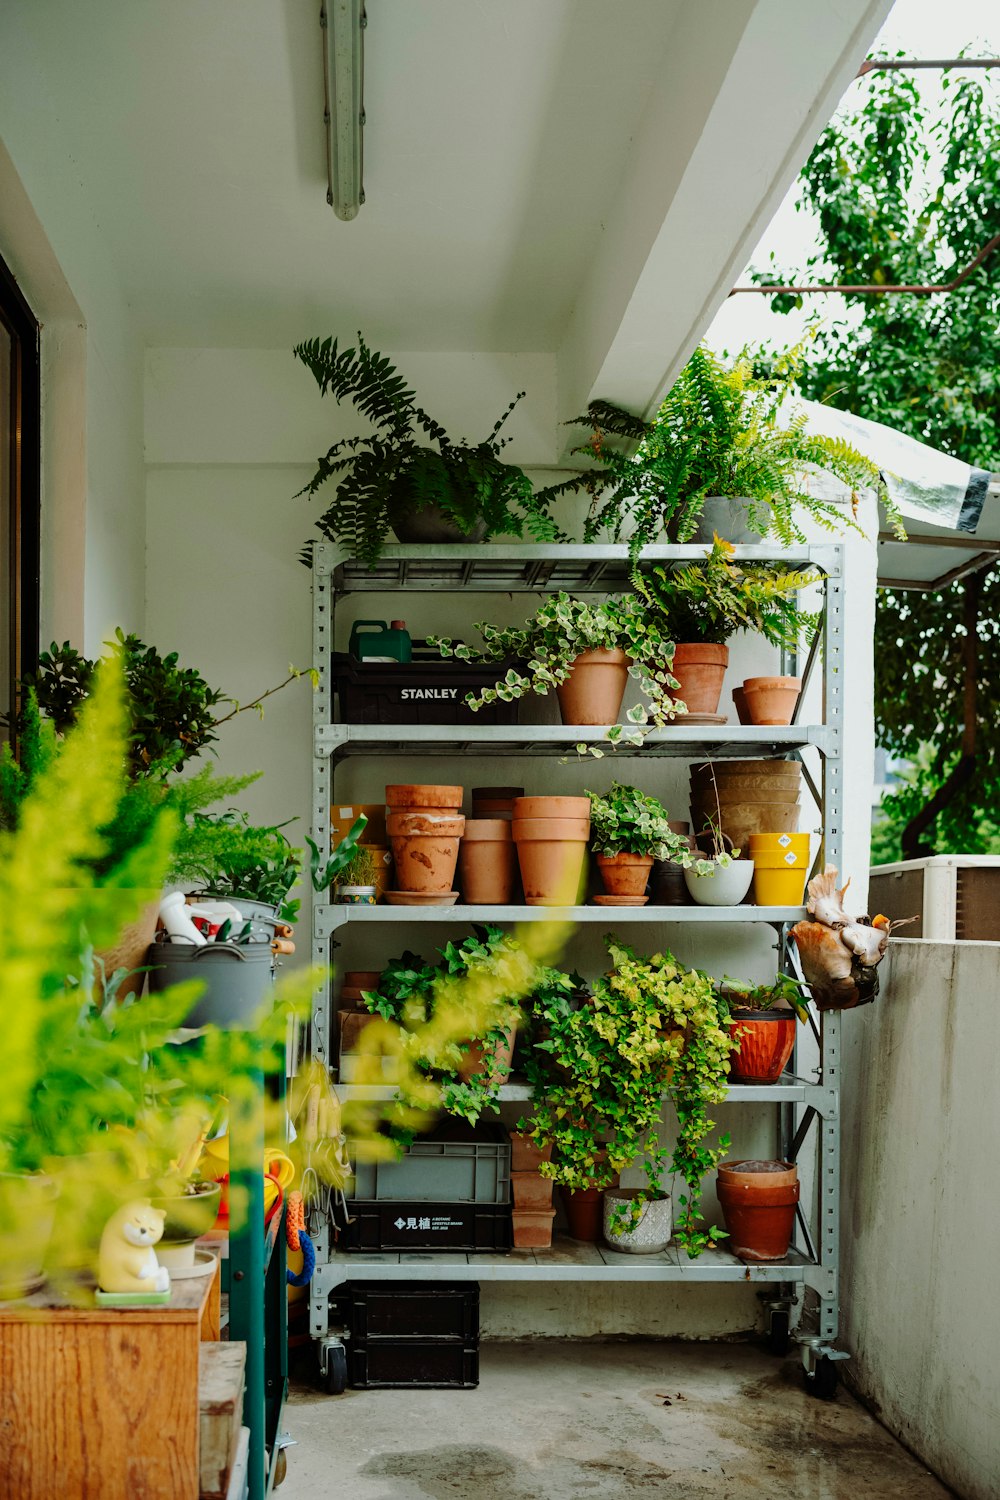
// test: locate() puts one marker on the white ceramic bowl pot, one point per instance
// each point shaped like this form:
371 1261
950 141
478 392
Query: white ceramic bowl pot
725 885
651 1234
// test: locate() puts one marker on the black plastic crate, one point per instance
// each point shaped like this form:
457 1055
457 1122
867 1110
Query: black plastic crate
411 1362
427 1226
373 1310
427 690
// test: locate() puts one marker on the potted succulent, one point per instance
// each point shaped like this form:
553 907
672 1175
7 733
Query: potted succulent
628 831
702 605
717 434
408 474
585 651
599 1072
762 1021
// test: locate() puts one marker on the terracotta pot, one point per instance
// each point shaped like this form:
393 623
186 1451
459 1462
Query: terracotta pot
766 1039
584 1213
487 862
533 1228
550 828
724 770
771 700
739 823
678 825
427 822
594 689
625 874
495 801
759 1215
399 798
352 1024
530 1190
426 862
742 711
754 1170
361 979
492 1060
129 951
746 789
700 669
551 807
525 1156
553 867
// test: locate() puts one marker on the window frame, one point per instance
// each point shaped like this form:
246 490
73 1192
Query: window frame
22 623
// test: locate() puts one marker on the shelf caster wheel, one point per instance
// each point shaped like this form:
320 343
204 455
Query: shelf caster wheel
333 1379
280 1468
822 1381
779 1338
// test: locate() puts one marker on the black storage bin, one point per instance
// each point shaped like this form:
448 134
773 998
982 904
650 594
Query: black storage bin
427 1226
427 690
411 1333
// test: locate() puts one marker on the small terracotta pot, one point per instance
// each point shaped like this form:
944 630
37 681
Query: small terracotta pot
766 1039
491 1060
700 670
525 1156
553 867
530 1190
533 1228
362 979
771 700
742 711
625 874
399 798
759 1211
426 862
584 1213
487 862
594 689
551 807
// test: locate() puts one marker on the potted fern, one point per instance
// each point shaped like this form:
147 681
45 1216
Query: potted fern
408 474
703 605
717 456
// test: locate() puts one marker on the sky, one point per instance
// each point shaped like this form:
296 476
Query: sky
920 28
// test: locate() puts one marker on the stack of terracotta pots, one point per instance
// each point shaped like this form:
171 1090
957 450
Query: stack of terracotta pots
354 1016
532 1194
551 835
425 826
758 1201
745 797
767 700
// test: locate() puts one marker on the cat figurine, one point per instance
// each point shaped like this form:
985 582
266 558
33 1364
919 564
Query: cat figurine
127 1261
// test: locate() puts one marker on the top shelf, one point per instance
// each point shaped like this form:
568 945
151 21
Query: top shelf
497 567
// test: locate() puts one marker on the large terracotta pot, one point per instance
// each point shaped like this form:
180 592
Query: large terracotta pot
551 807
758 1206
740 823
492 1060
700 670
425 850
771 700
594 689
411 795
625 874
766 1039
584 1213
129 951
553 862
487 862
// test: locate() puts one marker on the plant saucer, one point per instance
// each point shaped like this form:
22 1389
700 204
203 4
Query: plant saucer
683 719
204 1264
421 898
620 900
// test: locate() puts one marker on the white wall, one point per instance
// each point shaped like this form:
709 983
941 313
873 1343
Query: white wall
920 1221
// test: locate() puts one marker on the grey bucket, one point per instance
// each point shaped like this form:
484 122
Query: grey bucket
237 979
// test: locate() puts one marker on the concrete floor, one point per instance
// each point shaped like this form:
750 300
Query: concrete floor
586 1421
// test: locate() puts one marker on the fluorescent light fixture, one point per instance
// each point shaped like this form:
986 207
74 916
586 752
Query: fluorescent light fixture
343 23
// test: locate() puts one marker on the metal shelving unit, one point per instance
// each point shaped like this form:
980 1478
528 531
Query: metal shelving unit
806 1107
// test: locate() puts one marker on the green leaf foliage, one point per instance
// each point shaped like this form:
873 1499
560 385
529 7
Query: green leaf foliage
625 821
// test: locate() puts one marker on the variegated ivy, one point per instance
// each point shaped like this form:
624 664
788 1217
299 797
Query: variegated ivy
546 646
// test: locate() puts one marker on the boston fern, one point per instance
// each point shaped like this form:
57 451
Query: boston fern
717 433
395 469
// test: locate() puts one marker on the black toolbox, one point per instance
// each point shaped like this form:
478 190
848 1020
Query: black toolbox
426 690
410 1333
417 1225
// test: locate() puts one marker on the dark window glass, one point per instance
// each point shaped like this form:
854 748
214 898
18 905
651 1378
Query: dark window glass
20 398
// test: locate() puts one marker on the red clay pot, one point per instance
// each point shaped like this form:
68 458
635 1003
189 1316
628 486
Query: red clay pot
487 862
771 700
533 1228
766 1040
594 689
759 1210
493 1060
409 795
742 711
426 861
700 669
525 1156
531 1191
584 1213
625 874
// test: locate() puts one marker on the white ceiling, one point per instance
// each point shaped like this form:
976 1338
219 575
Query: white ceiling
497 134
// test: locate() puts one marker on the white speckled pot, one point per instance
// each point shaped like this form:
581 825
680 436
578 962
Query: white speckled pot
652 1233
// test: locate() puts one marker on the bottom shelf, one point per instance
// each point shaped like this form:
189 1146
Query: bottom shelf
568 1260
